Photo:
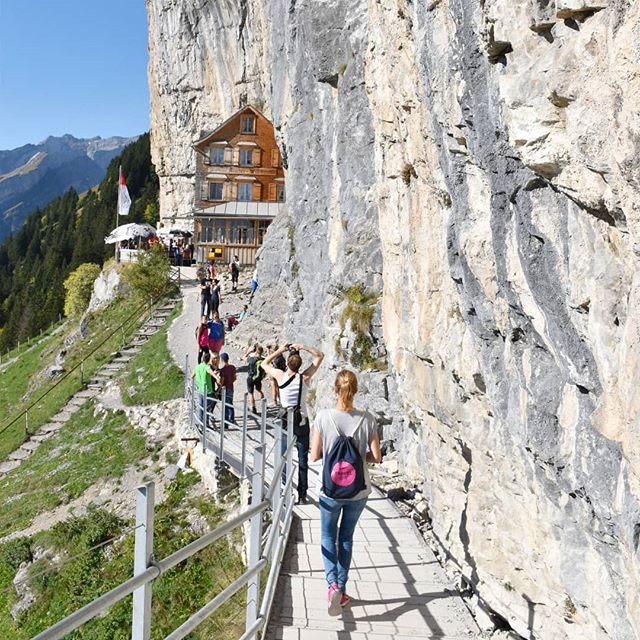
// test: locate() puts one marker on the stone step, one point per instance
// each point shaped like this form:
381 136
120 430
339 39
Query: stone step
86 393
41 437
19 454
61 417
124 359
30 445
50 428
109 368
8 465
77 401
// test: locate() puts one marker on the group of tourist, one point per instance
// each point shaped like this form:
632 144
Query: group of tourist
344 438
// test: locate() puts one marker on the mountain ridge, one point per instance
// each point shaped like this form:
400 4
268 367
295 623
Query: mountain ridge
34 174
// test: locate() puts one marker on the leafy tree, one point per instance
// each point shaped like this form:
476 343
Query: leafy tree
79 286
148 276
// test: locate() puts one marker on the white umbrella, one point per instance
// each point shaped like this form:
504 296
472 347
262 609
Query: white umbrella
173 232
130 231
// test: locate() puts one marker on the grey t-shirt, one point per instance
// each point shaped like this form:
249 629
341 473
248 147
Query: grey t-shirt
326 422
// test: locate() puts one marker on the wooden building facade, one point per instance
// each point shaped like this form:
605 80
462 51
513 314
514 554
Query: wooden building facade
240 187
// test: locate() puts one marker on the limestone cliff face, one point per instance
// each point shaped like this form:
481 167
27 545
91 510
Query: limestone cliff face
473 165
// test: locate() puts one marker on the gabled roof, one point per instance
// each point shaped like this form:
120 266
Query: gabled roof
227 121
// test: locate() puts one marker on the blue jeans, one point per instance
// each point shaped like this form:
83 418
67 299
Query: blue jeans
337 543
210 407
229 410
205 307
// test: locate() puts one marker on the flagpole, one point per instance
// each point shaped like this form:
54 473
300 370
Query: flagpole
118 209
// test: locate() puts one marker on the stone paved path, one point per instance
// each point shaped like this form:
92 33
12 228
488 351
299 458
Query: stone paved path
398 588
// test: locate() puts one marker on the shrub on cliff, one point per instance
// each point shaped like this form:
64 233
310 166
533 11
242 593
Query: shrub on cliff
78 287
148 276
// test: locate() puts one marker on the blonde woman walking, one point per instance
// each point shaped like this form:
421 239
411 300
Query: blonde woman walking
345 438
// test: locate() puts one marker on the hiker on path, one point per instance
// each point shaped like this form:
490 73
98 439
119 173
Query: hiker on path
205 374
345 480
279 362
216 298
202 338
292 386
205 297
234 269
226 376
255 374
216 333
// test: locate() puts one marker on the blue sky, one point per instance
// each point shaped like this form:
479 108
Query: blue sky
72 66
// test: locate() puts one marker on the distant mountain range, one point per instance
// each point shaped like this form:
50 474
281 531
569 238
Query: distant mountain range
33 175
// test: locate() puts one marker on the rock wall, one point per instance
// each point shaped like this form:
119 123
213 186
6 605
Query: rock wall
473 168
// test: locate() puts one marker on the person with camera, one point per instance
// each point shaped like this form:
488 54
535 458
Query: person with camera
292 386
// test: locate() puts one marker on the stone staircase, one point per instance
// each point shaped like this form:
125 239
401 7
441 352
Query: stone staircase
119 360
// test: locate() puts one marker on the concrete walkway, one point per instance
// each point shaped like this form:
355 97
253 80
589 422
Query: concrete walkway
398 589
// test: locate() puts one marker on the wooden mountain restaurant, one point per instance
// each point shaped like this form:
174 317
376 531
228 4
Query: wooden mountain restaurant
240 187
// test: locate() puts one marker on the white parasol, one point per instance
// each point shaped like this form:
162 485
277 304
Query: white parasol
174 232
130 231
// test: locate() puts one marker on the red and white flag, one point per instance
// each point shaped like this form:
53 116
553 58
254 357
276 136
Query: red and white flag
124 200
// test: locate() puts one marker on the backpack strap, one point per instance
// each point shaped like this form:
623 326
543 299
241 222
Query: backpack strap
287 383
298 405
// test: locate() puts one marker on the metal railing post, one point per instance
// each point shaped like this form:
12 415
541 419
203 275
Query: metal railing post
277 458
263 421
290 445
243 454
26 422
143 555
82 373
255 535
186 370
222 422
193 389
204 420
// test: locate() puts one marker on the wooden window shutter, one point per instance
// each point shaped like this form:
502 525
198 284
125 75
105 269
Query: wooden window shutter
257 191
275 158
233 191
204 191
257 157
235 155
272 192
228 155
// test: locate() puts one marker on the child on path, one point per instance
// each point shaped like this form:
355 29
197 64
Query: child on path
216 298
205 297
204 375
202 338
216 333
234 268
337 539
255 374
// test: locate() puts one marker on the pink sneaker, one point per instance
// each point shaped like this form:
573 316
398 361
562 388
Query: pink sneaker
345 600
333 597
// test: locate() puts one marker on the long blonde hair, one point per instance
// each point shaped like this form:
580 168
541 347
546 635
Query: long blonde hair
346 387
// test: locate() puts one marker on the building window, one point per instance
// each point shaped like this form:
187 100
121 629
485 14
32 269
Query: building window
212 231
248 124
245 191
246 157
216 155
262 229
241 232
280 193
215 190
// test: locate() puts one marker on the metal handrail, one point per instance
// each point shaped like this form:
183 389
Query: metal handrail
80 364
278 497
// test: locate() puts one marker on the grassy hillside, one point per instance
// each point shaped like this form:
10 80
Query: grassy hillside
60 567
23 382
